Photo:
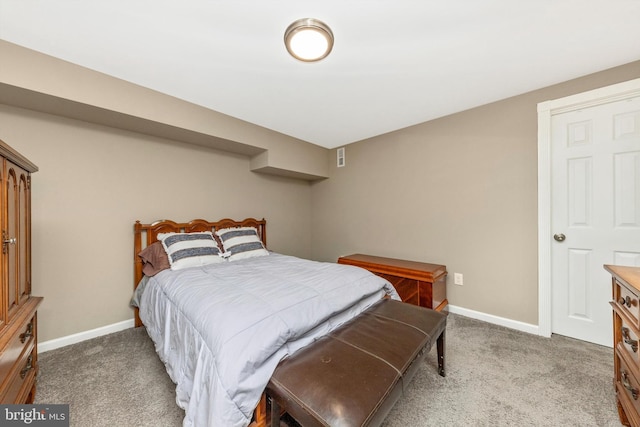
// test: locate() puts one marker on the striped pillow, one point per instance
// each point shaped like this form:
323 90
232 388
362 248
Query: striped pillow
190 249
241 242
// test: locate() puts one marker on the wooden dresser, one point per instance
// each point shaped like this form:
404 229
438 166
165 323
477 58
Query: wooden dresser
18 319
626 330
417 283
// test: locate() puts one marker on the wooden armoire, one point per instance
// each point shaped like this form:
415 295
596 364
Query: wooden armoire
18 319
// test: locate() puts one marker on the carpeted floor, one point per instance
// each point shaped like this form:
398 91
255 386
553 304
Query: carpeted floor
495 377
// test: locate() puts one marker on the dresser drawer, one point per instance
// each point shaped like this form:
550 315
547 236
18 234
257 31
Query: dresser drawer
628 300
16 347
22 379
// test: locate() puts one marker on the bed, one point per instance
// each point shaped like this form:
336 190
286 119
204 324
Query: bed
205 310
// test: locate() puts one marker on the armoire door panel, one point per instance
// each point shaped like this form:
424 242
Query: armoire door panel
3 259
24 279
10 238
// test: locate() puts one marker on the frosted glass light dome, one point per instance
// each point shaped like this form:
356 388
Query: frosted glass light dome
308 39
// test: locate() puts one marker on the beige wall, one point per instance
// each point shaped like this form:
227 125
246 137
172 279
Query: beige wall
459 191
35 81
95 181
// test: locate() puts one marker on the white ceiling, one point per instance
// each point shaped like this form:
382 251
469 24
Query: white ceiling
394 63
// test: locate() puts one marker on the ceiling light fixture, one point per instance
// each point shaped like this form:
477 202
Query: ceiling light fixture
308 39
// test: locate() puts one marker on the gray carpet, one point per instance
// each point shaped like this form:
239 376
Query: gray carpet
495 377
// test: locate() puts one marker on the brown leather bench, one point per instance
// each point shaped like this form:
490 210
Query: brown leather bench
353 376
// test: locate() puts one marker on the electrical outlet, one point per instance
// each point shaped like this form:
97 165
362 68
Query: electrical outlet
458 279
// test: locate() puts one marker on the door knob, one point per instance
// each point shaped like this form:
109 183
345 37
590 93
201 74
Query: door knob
559 237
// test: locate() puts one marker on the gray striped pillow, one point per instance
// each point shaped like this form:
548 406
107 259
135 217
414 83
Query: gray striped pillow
241 242
190 249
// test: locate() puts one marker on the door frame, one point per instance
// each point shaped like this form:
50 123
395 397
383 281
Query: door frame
546 110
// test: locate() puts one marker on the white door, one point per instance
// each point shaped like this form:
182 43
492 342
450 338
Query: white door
595 213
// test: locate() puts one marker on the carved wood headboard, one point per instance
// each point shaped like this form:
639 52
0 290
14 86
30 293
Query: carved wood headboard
146 234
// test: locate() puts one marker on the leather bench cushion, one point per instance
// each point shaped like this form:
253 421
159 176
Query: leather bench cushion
354 375
395 332
430 322
333 385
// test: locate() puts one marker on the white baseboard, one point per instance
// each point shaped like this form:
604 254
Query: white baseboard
489 318
126 324
83 336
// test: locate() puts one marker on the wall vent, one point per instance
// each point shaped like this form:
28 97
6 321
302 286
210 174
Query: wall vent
341 158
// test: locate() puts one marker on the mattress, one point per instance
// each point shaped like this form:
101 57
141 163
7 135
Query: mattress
221 329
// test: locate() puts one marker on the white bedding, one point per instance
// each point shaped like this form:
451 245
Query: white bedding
221 329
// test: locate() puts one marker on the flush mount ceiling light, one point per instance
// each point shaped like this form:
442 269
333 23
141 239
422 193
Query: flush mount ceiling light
308 39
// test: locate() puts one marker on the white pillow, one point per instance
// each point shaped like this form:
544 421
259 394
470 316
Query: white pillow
241 242
190 249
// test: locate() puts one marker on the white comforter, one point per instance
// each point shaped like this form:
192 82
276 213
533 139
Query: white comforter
222 329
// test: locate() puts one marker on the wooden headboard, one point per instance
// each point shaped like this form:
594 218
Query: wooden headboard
146 234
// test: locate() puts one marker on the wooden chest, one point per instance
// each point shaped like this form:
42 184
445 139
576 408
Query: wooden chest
417 283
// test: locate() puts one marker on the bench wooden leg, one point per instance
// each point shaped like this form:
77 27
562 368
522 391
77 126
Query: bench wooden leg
275 413
441 340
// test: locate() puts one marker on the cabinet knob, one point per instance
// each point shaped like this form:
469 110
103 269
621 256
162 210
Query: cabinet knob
6 240
626 301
